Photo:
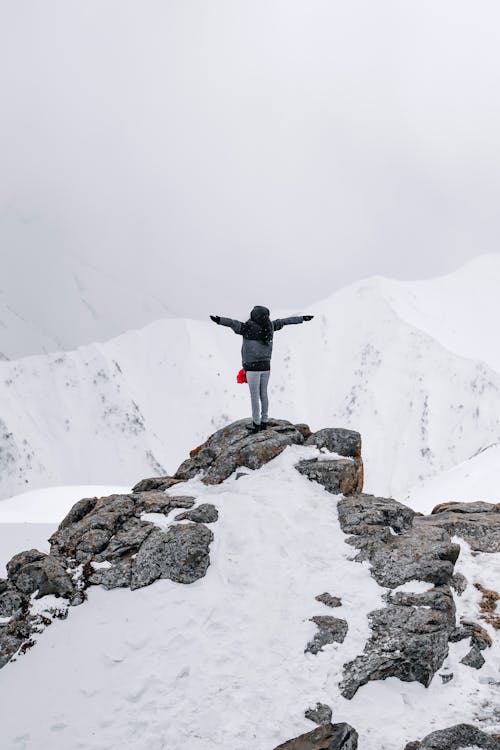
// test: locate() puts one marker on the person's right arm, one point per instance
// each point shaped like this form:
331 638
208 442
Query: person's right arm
236 325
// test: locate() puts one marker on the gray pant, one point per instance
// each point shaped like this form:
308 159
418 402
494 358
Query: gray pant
257 382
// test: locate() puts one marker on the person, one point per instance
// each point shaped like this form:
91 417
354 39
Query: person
256 351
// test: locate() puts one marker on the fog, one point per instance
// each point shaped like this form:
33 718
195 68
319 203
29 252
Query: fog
219 154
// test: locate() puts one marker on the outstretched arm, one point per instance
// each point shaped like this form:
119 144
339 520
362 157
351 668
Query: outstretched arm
236 325
293 320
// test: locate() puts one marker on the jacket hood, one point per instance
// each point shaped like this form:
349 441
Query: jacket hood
259 314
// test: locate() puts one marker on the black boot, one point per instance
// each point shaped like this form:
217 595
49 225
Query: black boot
253 427
263 425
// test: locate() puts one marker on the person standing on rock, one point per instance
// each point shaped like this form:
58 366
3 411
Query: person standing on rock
256 351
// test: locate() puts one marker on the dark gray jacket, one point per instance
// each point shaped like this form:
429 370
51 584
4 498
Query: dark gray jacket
256 355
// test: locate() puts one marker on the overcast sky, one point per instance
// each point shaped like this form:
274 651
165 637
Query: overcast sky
223 153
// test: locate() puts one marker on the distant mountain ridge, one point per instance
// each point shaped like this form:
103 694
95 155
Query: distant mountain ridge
107 413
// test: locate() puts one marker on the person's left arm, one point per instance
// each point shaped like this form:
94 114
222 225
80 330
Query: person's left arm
292 320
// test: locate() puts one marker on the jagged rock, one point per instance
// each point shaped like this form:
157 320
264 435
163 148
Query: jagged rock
473 659
159 502
12 601
9 643
338 476
45 574
478 523
155 483
409 640
320 715
326 737
21 559
204 513
329 600
409 637
413 552
445 678
181 554
337 440
234 446
455 738
304 430
330 630
117 576
358 513
458 582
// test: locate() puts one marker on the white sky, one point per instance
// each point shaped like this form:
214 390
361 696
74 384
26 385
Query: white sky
223 154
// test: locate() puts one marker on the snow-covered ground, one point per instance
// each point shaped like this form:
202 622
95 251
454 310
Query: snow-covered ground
379 357
220 663
475 479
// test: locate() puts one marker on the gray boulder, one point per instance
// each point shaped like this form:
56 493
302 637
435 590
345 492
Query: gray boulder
455 738
320 715
409 640
329 600
337 440
409 637
478 523
234 446
326 737
204 513
12 601
155 483
473 659
46 575
330 630
338 476
180 554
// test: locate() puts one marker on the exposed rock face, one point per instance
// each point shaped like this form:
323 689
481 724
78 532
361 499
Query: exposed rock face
338 476
102 541
181 554
337 440
46 575
204 513
478 523
326 737
455 738
234 446
410 635
330 630
322 714
155 483
329 600
105 541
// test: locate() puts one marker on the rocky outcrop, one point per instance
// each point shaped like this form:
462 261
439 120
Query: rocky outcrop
478 523
102 541
180 554
337 475
113 542
329 600
326 737
320 715
456 738
204 513
409 636
234 446
330 630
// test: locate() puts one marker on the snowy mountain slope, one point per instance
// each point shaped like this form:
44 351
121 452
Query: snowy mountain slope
136 404
460 310
220 663
478 478
51 301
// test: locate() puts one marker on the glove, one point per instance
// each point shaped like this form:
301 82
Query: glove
215 318
308 317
